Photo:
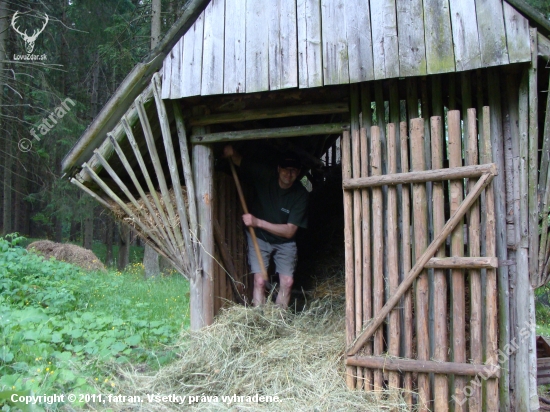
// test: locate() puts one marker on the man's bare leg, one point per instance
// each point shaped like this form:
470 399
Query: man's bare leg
285 288
258 295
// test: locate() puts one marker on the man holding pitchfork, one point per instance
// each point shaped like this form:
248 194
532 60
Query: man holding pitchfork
279 207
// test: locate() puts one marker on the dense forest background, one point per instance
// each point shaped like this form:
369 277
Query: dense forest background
90 46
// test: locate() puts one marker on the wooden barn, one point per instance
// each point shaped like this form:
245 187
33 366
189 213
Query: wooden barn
436 113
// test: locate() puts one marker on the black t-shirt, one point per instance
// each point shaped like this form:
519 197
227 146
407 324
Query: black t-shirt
272 203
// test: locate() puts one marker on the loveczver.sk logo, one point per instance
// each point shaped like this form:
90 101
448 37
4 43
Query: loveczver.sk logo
28 39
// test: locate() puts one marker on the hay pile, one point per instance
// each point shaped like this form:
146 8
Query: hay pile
149 221
267 351
76 255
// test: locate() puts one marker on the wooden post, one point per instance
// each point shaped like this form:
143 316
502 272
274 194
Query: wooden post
366 111
357 235
497 147
367 263
491 321
420 225
476 352
202 298
441 346
407 349
348 234
377 249
457 249
392 249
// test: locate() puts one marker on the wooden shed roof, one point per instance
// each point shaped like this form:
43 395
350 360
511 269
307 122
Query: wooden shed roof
238 46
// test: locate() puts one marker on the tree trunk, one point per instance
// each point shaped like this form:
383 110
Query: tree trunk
109 241
124 247
155 22
150 262
7 206
89 226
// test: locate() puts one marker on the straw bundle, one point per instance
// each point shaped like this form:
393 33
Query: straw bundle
266 351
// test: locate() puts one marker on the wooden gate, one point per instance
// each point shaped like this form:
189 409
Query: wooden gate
421 283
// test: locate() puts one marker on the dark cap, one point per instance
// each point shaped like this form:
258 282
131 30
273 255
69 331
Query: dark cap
289 161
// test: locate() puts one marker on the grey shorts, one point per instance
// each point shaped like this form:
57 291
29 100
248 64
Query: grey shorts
285 256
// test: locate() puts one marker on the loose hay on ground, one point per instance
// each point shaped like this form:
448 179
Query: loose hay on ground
69 253
267 351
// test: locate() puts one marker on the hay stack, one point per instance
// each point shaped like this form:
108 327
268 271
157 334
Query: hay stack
267 351
143 210
73 254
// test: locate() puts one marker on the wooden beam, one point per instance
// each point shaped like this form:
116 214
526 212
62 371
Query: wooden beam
418 366
91 193
269 113
421 261
174 174
462 262
463 172
273 133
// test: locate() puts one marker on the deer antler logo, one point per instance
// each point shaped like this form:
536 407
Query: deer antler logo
29 40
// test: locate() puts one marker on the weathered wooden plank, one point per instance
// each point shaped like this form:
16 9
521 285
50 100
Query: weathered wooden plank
176 73
517 34
423 366
436 175
335 47
167 73
191 70
492 35
292 131
385 45
310 53
234 75
359 40
465 36
257 46
283 72
212 61
269 113
439 41
412 49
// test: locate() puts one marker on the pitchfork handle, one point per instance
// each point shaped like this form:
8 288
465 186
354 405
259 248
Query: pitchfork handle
250 228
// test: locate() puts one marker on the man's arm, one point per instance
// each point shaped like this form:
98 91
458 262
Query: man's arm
286 230
229 152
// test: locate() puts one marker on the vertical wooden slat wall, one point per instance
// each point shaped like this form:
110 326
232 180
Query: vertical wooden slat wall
394 228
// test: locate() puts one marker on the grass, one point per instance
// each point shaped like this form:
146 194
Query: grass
64 330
